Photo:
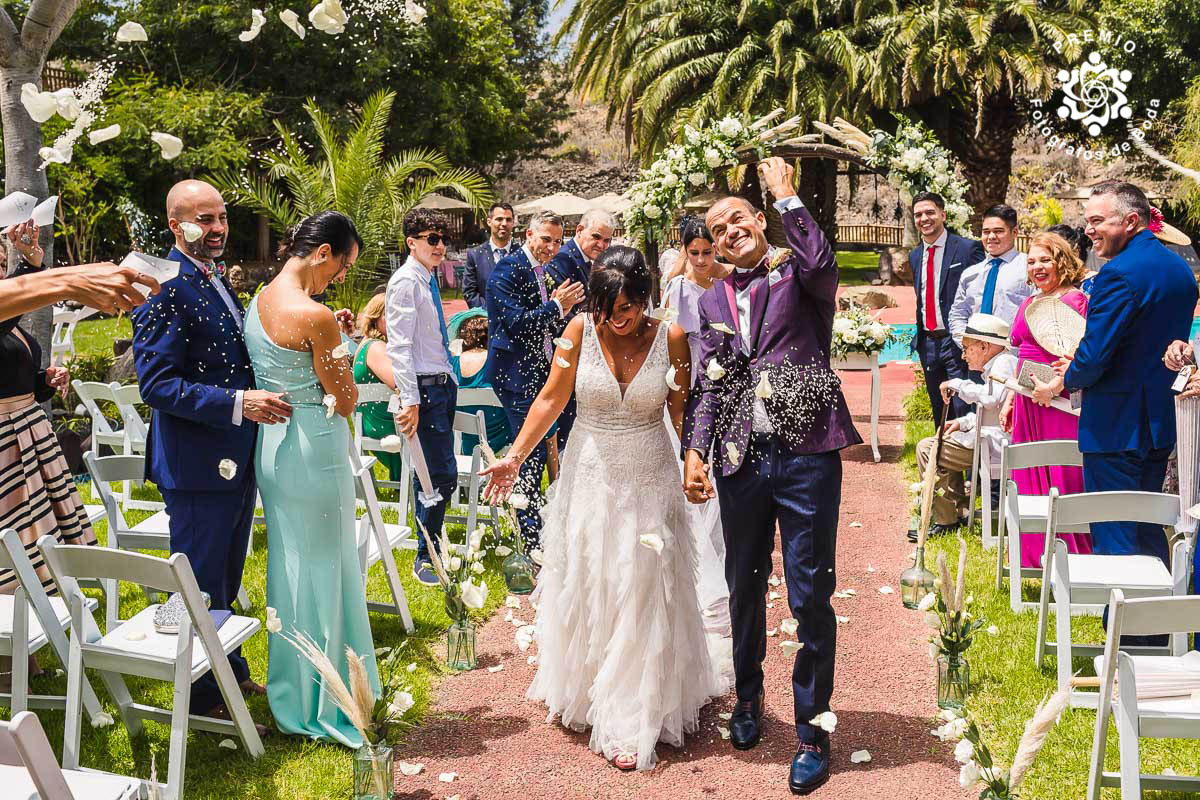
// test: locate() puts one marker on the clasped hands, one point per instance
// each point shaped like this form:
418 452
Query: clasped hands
697 486
1179 355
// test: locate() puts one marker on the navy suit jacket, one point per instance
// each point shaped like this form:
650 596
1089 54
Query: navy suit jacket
518 322
191 360
569 264
480 264
1141 301
960 254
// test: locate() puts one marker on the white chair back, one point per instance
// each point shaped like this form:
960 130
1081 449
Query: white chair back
91 393
127 399
23 743
1073 512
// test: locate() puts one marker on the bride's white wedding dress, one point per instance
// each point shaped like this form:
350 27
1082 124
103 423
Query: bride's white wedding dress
621 641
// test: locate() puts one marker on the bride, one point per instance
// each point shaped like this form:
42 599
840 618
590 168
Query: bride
622 647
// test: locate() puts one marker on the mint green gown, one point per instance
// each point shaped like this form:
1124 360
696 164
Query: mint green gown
313 578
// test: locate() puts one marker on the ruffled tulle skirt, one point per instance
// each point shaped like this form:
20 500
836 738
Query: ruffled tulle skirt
621 642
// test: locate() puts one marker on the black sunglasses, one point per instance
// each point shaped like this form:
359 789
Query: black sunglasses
435 239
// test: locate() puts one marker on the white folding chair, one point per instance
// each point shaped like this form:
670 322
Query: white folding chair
377 393
134 647
378 540
23 634
468 468
1164 717
62 336
1025 513
1082 582
91 394
981 474
134 431
28 770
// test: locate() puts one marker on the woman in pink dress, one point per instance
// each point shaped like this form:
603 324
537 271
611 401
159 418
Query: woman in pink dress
1055 271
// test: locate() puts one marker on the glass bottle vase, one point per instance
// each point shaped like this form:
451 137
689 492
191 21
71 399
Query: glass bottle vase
916 581
374 772
460 645
953 681
518 572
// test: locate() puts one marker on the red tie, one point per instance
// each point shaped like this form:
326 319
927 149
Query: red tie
931 323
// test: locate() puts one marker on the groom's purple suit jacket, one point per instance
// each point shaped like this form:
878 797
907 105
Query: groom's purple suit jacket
791 323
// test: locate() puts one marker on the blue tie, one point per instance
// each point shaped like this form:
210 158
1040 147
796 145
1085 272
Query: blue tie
437 303
989 286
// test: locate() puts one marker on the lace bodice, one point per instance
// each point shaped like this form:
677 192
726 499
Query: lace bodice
601 405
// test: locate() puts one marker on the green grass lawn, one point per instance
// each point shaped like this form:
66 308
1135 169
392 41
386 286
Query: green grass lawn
857 269
1006 685
97 335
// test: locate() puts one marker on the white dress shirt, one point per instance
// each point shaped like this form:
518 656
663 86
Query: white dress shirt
938 254
1012 287
499 251
219 285
414 331
761 422
543 292
987 395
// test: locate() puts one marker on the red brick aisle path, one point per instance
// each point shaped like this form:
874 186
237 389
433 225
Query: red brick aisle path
483 728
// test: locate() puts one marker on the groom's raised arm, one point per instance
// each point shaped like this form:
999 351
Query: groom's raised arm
814 263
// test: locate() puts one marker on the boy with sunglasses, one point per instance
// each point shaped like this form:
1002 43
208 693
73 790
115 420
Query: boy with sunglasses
419 349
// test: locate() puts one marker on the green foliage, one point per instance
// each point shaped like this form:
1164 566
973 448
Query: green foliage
1187 147
916 405
1044 211
348 172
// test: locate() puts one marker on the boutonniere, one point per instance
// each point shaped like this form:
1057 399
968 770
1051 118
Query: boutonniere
548 279
777 257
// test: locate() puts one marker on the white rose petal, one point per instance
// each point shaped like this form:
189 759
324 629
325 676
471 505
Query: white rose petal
257 20
408 768
102 719
927 602
886 590
40 105
496 668
191 231
67 103
842 620
131 32
447 777
227 744
826 721
391 443
860 757
789 626
328 17
772 595
773 581
411 667
855 524
992 630
664 314
135 636
763 389
670 378
512 602
714 370
789 647
274 624
413 12
104 134
772 631
562 362
170 146
473 596
330 403
525 637
732 452
964 751
292 20
502 550
652 541
456 347
968 775
227 469
341 351
518 501
564 343
54 155
723 328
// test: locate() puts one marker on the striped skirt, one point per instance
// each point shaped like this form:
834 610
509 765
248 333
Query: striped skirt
37 491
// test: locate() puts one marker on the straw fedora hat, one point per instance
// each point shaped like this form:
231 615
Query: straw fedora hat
987 328
1056 326
1165 231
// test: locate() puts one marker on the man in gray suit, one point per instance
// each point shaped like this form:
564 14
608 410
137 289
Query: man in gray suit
482 260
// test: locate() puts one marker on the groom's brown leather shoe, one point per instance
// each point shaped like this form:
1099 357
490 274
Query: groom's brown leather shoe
745 726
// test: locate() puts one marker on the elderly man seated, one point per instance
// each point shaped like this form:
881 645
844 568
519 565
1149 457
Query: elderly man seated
985 349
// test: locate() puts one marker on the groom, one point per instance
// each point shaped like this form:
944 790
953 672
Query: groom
774 420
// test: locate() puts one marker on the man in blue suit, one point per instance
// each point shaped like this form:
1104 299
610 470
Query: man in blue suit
573 262
1141 301
194 372
524 315
937 266
482 260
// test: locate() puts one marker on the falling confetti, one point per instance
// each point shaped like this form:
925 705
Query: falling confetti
227 469
227 744
170 146
131 32
292 20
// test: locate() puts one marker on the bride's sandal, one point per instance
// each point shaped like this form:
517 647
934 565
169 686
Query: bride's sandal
625 762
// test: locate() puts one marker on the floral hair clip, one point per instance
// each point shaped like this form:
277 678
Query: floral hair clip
1156 220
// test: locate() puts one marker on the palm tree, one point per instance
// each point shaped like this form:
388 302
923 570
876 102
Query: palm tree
970 68
350 174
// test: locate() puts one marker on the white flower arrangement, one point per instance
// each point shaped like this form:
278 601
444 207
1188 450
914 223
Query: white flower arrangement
915 162
688 167
856 331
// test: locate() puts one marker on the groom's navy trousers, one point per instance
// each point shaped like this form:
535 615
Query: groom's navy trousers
213 530
802 493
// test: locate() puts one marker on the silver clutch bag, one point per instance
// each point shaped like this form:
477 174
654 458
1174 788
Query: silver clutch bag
1030 369
169 615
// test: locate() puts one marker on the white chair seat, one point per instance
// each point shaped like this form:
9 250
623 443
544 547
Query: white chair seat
95 513
162 646
397 537
158 523
463 463
1132 573
1033 506
37 636
84 785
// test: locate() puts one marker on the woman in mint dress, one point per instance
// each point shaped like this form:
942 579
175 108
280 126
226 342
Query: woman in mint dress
372 365
313 578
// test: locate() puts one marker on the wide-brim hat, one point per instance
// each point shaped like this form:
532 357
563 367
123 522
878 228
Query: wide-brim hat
1055 325
1169 234
987 328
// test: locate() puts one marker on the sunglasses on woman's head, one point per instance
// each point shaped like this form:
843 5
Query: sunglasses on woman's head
434 239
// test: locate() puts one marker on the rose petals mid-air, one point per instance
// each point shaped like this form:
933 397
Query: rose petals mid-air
763 390
227 469
789 626
652 541
670 378
341 351
104 134
330 403
562 362
131 32
789 647
664 314
171 146
40 105
391 443
274 624
456 347
723 328
564 343
714 370
191 231
257 20
292 20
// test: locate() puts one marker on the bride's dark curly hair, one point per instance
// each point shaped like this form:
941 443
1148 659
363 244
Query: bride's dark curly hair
619 269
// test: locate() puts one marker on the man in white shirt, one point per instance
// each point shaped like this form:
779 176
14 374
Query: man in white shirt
419 349
998 284
985 349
